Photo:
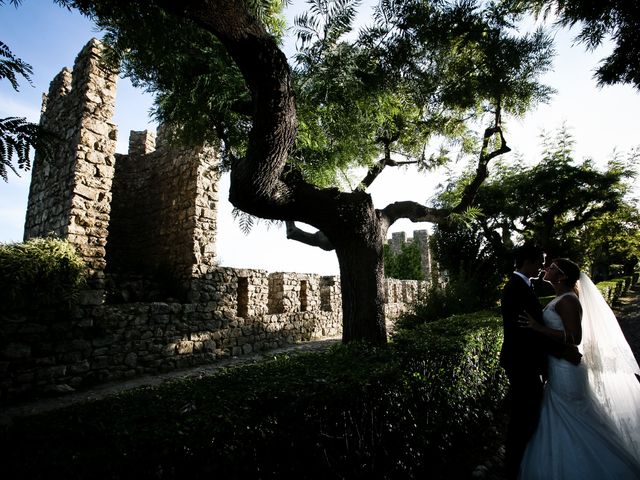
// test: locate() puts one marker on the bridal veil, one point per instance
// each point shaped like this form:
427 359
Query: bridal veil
613 371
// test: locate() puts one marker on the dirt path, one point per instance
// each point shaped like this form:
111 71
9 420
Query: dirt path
628 313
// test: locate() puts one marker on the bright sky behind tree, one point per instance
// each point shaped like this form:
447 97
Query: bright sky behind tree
49 37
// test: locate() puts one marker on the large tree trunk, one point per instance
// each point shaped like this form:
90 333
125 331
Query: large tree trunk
360 255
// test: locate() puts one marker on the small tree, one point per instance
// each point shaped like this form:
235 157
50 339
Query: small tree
613 238
551 203
405 264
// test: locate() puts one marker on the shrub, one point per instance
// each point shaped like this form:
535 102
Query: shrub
41 272
458 296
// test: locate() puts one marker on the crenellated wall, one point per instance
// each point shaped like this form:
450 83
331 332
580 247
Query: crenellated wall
145 223
164 210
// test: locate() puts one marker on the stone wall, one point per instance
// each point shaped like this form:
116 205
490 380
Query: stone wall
240 312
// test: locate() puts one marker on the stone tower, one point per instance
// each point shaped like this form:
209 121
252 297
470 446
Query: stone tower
164 207
153 209
398 239
70 192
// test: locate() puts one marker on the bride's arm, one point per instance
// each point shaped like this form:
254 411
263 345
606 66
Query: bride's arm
570 312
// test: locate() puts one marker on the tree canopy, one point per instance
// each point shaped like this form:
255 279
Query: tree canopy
421 74
599 20
558 203
406 264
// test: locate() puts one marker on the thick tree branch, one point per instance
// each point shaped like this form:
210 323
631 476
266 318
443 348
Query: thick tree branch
255 179
420 213
377 169
380 165
586 216
413 211
482 171
317 239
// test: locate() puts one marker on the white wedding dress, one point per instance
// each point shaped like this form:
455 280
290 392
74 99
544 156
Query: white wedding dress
589 423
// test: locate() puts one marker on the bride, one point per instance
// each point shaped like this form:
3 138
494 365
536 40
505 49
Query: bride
589 425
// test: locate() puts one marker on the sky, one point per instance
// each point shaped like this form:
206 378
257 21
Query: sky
48 37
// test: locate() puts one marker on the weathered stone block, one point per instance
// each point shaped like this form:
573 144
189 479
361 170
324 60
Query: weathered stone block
184 347
15 351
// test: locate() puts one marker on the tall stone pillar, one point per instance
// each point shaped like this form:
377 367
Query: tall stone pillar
70 191
422 236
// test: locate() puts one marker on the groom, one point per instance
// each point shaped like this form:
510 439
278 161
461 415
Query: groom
523 355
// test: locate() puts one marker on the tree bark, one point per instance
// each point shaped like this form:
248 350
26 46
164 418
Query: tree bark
358 242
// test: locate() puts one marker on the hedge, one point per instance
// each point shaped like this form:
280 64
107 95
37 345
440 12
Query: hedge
421 407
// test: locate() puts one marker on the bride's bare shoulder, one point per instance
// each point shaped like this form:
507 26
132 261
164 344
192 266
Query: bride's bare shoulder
569 302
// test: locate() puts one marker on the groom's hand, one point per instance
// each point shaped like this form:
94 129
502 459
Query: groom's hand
571 354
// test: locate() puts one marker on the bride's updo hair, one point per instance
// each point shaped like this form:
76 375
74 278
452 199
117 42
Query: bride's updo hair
570 269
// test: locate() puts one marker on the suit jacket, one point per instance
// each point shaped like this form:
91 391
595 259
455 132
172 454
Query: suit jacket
523 349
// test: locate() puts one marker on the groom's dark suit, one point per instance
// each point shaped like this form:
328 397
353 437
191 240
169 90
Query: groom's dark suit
524 358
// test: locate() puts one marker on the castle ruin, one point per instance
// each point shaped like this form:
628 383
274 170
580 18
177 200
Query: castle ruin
145 223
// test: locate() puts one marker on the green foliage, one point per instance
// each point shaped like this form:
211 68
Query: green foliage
458 295
42 272
550 203
472 274
406 264
613 238
17 136
421 70
198 89
12 67
418 408
613 289
357 93
618 20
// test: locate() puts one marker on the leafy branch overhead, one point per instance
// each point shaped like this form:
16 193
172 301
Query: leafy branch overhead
17 136
12 67
617 20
